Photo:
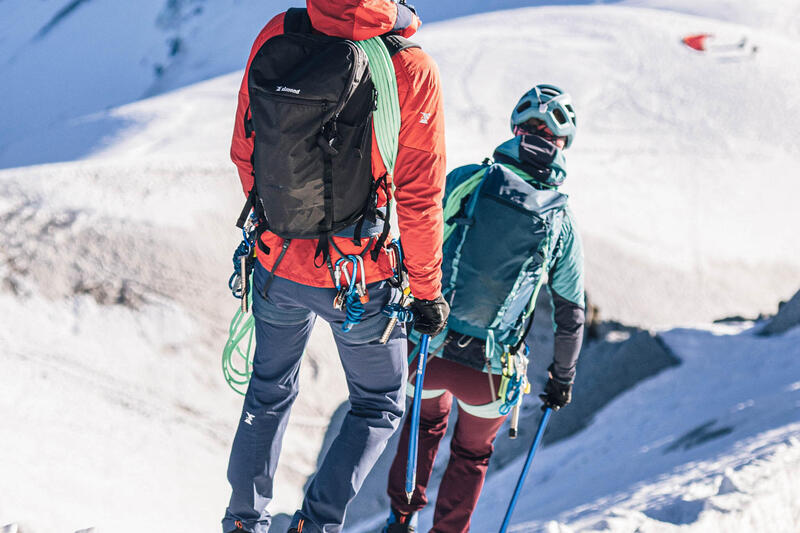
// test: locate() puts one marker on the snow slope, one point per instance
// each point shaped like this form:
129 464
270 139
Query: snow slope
112 284
693 449
674 172
63 59
669 170
114 312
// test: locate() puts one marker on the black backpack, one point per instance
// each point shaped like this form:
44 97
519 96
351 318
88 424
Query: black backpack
311 103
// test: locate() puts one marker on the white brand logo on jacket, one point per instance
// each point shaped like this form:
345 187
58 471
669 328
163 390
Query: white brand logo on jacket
424 118
282 89
249 419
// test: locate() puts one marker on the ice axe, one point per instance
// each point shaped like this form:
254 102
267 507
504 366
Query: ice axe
526 468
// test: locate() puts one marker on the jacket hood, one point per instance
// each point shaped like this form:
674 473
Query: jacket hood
361 19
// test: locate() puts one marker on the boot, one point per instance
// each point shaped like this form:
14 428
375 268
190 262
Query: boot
400 523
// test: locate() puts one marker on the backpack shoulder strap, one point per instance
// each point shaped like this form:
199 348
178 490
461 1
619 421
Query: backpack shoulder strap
386 118
396 43
297 20
454 200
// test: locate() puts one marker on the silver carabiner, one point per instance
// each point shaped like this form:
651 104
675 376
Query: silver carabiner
362 286
337 274
346 273
461 344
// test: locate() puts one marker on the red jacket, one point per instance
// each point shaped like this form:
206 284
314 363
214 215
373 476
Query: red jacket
419 176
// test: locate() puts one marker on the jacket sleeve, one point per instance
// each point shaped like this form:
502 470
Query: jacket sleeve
241 145
566 289
419 176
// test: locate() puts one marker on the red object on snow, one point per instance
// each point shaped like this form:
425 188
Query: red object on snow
697 42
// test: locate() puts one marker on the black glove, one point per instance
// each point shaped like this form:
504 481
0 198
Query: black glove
430 316
557 393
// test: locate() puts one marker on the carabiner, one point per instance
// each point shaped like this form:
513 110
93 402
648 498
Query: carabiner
363 283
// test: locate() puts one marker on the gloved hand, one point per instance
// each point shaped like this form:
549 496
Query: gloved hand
557 393
430 316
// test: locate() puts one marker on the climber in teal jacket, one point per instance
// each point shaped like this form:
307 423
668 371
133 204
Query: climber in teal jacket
508 233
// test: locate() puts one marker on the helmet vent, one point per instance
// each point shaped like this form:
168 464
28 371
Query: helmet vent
560 118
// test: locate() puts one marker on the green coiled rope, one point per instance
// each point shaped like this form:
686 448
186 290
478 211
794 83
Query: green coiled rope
386 117
237 364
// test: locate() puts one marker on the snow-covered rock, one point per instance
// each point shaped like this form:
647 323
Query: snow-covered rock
788 317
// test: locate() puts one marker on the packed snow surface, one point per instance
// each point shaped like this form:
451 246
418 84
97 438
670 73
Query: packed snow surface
712 445
115 255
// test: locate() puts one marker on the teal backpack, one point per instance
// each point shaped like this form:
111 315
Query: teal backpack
500 234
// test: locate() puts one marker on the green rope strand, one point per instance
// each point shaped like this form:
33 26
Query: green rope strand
386 117
237 365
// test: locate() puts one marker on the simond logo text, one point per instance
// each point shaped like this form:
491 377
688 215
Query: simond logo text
282 89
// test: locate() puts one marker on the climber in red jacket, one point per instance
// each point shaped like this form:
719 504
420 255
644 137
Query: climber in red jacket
292 286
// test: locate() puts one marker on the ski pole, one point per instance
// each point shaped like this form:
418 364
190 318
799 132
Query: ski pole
411 465
524 473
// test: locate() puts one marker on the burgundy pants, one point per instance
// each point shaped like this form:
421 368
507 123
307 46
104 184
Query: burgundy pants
470 448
